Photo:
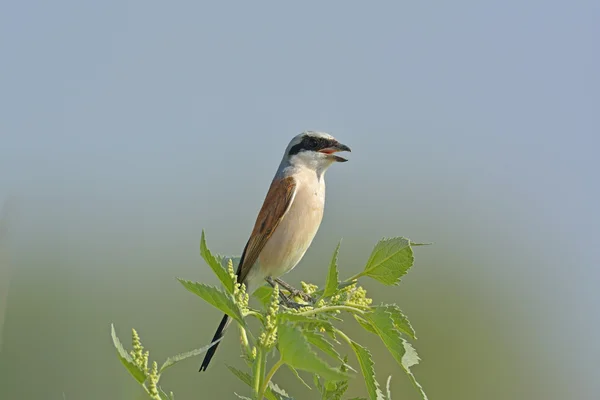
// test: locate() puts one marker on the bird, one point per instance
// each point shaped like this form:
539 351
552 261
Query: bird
289 217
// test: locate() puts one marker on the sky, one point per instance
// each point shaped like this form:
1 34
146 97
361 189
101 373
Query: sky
127 127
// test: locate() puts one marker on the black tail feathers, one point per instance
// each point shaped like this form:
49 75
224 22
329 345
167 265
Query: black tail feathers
218 335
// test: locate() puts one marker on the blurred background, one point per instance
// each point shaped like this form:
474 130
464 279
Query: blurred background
127 127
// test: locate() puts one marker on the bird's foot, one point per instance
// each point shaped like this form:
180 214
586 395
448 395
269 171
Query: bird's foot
286 302
293 292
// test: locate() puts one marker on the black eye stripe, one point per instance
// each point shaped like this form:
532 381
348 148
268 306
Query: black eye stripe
310 143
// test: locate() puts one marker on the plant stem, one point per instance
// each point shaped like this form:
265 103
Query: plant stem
344 336
255 314
330 308
244 338
259 369
274 369
354 277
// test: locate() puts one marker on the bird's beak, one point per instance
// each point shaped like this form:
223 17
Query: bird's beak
334 148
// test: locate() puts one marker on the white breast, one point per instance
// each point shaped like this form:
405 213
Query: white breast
295 233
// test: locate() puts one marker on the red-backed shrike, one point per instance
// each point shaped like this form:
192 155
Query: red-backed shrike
290 215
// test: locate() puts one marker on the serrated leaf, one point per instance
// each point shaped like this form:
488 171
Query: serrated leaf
388 388
389 260
279 392
335 390
366 366
323 344
247 379
306 321
331 285
409 359
215 264
169 362
125 358
242 397
382 321
295 372
365 324
296 351
404 354
241 375
401 322
215 297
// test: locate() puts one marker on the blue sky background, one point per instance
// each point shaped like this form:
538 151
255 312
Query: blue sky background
126 127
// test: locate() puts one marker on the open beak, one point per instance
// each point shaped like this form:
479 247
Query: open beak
334 149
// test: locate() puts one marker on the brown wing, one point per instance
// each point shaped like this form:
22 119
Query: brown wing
276 204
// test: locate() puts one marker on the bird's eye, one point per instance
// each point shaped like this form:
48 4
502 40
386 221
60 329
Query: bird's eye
312 143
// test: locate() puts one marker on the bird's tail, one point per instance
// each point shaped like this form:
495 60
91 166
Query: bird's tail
218 335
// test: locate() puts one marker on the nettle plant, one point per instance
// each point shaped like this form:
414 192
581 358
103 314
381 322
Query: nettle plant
298 334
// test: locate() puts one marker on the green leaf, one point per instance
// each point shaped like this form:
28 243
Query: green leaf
215 264
365 324
366 366
388 388
279 392
215 297
331 284
126 359
335 390
306 321
263 294
409 359
400 321
404 354
319 341
247 379
295 372
241 375
317 382
169 362
382 321
296 351
389 261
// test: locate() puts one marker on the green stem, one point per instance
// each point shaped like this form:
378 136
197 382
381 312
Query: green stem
274 369
255 314
344 336
259 370
330 308
354 277
244 339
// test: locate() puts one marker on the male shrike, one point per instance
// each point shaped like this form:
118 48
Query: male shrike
290 215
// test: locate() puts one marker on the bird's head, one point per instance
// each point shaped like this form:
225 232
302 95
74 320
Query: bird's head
315 150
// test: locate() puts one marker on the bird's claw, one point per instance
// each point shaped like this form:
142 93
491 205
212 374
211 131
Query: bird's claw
293 292
291 304
299 293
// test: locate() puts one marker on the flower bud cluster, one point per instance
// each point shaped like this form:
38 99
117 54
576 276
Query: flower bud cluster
309 288
153 382
268 338
359 297
140 358
240 295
